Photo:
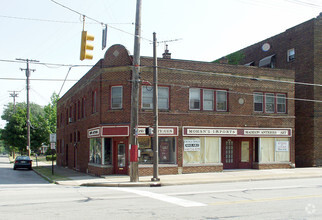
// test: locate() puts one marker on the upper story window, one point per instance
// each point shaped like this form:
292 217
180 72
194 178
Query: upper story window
269 102
94 101
83 107
194 99
208 99
258 102
290 55
116 97
147 97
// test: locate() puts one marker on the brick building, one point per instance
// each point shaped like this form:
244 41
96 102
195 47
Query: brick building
298 48
211 117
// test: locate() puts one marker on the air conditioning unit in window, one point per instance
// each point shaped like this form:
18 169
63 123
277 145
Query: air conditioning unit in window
70 120
147 105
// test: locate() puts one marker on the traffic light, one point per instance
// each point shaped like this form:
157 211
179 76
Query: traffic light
85 46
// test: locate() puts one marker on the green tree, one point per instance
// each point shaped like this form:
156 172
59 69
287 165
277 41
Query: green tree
51 113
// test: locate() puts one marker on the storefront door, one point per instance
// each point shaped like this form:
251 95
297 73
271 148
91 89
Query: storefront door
120 150
229 153
237 153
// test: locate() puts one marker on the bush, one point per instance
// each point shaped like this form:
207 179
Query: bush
49 157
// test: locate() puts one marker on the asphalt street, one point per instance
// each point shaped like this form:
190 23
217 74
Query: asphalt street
24 195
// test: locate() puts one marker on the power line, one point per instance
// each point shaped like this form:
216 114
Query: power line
55 21
237 76
100 22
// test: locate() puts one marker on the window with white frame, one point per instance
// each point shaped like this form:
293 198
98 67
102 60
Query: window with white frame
258 102
269 103
208 99
147 97
273 102
116 97
194 99
221 100
281 103
290 55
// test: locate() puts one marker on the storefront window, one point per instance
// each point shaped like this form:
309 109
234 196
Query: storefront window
274 150
201 150
95 151
107 151
167 150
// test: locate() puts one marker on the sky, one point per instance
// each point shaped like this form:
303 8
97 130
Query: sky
201 30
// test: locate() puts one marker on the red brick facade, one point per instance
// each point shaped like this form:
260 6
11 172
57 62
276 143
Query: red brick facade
306 41
240 83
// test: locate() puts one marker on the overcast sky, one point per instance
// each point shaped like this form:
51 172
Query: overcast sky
203 30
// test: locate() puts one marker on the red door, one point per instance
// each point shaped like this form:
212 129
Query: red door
120 155
237 153
230 153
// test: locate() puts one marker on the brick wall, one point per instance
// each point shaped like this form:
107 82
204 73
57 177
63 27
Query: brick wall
305 38
115 69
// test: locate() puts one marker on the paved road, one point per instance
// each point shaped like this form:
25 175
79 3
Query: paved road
20 176
271 199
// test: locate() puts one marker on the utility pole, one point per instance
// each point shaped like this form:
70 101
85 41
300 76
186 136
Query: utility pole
28 107
155 112
13 94
134 166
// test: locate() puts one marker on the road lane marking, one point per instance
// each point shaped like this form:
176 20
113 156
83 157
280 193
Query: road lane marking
164 198
265 200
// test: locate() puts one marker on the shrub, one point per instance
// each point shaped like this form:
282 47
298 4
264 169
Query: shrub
49 157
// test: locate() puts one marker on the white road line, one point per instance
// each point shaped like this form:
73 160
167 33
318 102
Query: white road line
165 198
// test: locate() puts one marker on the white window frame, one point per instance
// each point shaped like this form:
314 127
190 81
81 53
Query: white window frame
226 100
144 103
270 95
262 101
116 98
290 55
193 100
280 96
211 92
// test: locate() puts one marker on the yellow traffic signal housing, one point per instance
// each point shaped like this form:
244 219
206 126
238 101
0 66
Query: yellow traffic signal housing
86 46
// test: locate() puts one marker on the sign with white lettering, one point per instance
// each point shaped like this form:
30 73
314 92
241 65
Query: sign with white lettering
162 131
236 132
282 146
267 132
94 132
192 144
210 131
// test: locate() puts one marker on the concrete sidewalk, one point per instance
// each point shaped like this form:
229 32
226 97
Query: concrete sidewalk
82 179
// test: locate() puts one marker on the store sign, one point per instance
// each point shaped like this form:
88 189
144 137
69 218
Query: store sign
162 131
282 146
237 132
210 131
94 132
267 132
192 145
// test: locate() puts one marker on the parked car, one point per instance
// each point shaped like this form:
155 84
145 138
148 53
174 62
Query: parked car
22 162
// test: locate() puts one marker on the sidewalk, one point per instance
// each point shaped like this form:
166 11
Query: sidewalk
81 179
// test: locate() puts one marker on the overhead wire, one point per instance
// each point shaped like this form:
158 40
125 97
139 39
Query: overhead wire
100 22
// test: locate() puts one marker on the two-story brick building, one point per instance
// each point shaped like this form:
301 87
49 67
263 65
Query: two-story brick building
300 49
211 117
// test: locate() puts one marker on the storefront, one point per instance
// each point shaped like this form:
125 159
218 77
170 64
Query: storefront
237 148
109 149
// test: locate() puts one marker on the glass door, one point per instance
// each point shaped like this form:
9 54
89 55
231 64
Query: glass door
120 157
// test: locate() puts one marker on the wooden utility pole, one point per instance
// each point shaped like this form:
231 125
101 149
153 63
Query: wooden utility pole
14 95
28 108
155 112
134 166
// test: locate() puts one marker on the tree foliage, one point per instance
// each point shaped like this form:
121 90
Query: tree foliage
42 121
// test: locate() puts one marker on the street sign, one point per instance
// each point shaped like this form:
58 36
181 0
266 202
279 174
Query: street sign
52 138
52 146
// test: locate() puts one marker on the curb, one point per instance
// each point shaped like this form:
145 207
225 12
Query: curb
127 184
45 177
